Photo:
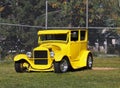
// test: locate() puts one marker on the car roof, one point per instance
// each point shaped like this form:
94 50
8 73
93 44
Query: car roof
57 31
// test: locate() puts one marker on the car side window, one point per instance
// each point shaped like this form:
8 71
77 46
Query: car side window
82 35
74 35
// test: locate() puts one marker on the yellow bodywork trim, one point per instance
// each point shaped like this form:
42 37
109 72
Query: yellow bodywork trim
82 61
33 67
20 57
53 32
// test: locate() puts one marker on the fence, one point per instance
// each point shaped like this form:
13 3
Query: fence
16 38
23 38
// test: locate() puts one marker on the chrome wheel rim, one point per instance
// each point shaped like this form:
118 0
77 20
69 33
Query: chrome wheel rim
90 61
64 65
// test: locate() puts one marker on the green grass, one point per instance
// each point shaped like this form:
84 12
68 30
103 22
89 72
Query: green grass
77 79
107 62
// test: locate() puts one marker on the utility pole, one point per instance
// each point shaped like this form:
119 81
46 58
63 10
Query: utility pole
46 18
119 2
87 14
0 20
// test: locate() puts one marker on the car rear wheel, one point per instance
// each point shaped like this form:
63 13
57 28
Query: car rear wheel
21 66
89 61
62 66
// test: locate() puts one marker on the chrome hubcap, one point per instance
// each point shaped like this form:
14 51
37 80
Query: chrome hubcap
64 65
90 61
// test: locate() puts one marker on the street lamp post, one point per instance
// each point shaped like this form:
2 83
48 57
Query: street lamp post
46 18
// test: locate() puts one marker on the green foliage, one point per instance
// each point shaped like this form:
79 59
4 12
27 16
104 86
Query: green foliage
60 14
102 10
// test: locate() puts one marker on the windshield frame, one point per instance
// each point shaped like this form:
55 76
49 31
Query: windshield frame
54 41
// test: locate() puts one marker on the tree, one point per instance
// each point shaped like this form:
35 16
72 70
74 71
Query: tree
61 13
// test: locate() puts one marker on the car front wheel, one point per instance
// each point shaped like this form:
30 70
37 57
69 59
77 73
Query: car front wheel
21 66
62 66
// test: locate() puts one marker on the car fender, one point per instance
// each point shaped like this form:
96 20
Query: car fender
21 57
58 58
84 57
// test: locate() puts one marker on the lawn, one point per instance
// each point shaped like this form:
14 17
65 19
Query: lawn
76 79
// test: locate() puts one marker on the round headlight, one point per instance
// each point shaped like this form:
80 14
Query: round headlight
52 54
29 54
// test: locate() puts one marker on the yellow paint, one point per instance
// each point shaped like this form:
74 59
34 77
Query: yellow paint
76 51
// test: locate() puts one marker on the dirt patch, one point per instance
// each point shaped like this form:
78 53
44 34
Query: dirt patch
104 68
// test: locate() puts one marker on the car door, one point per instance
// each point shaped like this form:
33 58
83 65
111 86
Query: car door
83 40
74 45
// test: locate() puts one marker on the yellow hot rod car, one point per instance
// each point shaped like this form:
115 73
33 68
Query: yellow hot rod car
58 51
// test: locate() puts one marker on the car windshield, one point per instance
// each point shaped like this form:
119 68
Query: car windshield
57 37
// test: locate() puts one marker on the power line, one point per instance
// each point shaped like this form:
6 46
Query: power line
20 25
95 28
42 27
